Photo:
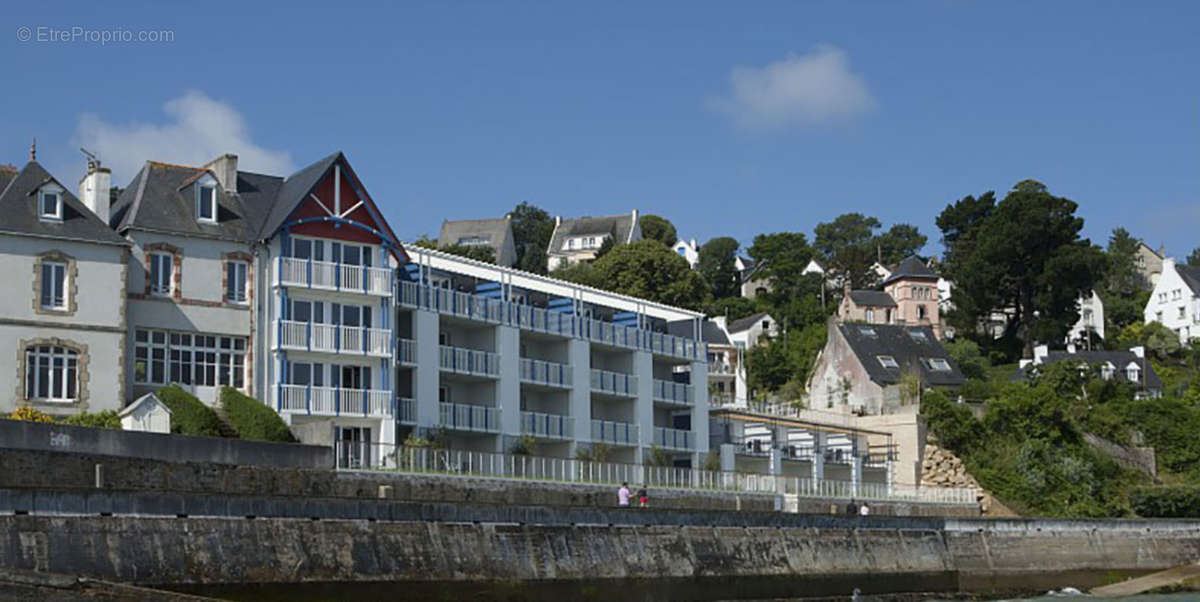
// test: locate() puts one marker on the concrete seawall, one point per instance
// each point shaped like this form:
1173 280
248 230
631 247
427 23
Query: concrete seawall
713 562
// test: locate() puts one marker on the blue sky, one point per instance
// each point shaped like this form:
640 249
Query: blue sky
727 118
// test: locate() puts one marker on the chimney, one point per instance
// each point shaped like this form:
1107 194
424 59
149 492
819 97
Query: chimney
1040 352
1139 351
94 189
226 168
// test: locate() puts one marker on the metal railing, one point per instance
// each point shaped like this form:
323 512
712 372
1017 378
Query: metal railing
426 460
673 392
466 305
330 401
407 351
553 426
542 320
668 344
541 372
331 338
406 410
334 276
615 383
722 368
669 438
616 433
468 417
469 361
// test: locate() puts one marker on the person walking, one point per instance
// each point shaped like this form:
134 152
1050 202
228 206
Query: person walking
864 510
851 508
643 497
623 495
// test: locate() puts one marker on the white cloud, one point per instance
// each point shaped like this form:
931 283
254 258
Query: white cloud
198 130
812 89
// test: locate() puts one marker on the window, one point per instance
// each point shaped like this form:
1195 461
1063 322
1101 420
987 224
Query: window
866 331
938 364
474 240
162 266
682 251
188 358
304 248
206 204
51 373
766 324
235 281
443 395
917 336
1182 313
1158 316
304 373
870 315
921 312
54 285
1107 371
887 361
50 205
1133 373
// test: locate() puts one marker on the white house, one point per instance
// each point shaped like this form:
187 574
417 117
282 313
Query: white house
1175 300
576 240
1091 319
689 250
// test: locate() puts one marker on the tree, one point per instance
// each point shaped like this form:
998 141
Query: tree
733 308
1159 341
655 227
644 269
1193 258
959 223
532 228
898 243
482 253
1123 289
848 246
716 265
782 257
785 359
606 246
1026 256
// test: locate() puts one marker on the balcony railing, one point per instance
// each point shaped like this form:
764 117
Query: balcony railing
406 410
330 276
540 372
667 438
614 383
541 320
407 351
673 392
721 368
466 305
667 344
611 334
469 361
551 426
330 401
616 433
467 417
331 338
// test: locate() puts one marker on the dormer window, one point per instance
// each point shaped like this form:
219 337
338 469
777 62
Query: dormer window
206 203
50 205
1107 371
1133 373
887 361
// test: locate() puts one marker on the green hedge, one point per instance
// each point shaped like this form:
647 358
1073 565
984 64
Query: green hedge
189 416
1177 501
105 420
252 418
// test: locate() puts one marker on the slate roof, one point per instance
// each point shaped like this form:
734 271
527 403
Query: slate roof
746 322
911 267
620 226
18 206
709 331
293 191
1191 276
1119 360
910 346
872 299
162 193
495 231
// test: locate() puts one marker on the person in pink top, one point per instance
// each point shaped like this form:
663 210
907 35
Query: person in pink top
623 495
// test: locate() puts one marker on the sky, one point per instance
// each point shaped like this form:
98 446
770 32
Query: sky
729 119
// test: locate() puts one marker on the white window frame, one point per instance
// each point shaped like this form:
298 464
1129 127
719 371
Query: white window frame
888 361
240 281
156 286
212 219
57 216
223 362
938 364
60 362
50 272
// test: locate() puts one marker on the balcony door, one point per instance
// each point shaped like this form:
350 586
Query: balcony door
349 254
355 377
306 248
354 446
307 311
351 315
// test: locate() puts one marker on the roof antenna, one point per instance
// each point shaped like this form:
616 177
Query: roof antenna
33 150
93 159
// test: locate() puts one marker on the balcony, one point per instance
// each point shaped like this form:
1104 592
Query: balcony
668 438
340 277
671 345
467 417
548 426
331 338
329 401
614 383
465 305
550 374
407 351
406 410
469 361
615 433
608 333
541 320
672 392
721 369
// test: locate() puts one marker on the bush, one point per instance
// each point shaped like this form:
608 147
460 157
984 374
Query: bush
253 419
101 420
189 416
29 414
955 426
1180 501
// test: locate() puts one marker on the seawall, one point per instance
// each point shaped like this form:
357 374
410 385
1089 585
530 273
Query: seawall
701 562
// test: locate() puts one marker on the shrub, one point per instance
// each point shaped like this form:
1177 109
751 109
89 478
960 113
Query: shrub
598 452
956 428
101 420
253 419
189 416
1180 501
525 445
29 414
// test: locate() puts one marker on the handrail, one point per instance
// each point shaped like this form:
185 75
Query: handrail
616 383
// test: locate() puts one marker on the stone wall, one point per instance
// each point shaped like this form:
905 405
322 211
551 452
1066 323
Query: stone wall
941 468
